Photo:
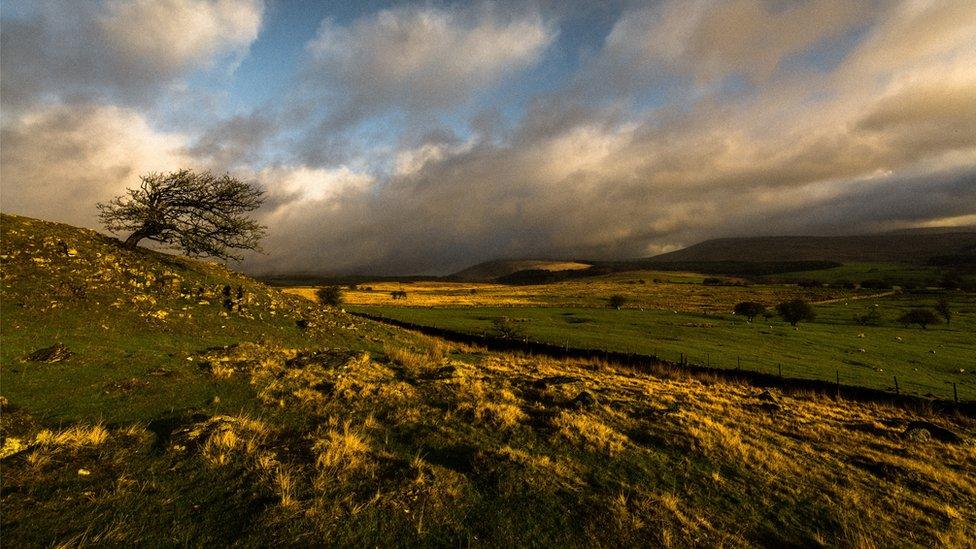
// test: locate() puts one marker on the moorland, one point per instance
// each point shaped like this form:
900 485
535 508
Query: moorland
150 399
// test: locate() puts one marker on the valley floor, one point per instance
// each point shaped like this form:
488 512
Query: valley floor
187 405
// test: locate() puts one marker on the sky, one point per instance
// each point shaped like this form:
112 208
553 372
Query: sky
424 137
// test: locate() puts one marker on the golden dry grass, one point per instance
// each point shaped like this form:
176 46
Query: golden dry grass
671 291
662 460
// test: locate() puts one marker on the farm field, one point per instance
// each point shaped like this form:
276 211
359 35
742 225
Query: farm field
673 291
175 415
896 275
926 362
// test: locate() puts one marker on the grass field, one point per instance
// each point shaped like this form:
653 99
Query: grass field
671 315
186 417
894 274
926 362
643 289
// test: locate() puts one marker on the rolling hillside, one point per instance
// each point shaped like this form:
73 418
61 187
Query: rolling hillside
490 270
913 247
155 400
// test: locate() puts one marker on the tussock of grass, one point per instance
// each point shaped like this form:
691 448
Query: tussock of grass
342 451
76 436
323 444
589 433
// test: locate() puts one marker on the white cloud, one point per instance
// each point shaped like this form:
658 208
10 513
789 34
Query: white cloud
59 161
174 35
119 51
288 185
425 57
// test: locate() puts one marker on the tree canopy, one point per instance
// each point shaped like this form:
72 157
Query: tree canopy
922 317
749 309
796 310
198 213
330 295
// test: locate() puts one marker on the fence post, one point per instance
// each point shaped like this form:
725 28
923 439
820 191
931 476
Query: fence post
779 365
837 378
738 363
955 394
897 390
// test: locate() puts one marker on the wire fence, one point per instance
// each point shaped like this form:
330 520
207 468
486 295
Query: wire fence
854 382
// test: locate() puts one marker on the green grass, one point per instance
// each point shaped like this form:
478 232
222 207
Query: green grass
349 432
127 365
926 362
895 274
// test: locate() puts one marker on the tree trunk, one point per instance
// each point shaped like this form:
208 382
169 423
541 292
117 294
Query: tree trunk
134 238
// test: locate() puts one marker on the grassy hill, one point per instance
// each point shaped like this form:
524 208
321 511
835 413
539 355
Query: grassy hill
490 270
901 247
173 414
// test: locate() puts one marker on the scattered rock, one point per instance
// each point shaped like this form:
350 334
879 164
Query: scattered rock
766 396
55 353
11 446
301 323
585 399
921 431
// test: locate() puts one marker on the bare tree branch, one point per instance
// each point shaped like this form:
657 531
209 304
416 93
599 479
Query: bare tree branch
201 214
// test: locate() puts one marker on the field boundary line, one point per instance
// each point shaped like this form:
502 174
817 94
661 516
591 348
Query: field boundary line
653 364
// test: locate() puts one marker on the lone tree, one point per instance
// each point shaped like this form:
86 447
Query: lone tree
199 213
942 307
616 301
506 328
795 310
922 317
329 295
749 309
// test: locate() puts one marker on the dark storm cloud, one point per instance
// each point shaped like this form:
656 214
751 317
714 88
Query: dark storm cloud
689 120
128 52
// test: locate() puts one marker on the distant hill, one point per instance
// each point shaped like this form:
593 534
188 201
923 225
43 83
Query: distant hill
155 400
900 247
490 270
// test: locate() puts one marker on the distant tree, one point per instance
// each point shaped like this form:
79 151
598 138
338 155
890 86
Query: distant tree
749 309
795 311
506 328
330 295
871 318
398 294
616 301
198 213
922 317
942 307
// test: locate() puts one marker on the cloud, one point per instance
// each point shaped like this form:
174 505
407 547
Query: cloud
235 141
119 50
805 152
709 40
690 120
58 161
423 58
288 186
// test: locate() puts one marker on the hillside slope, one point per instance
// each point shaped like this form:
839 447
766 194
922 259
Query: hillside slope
172 416
490 270
880 248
